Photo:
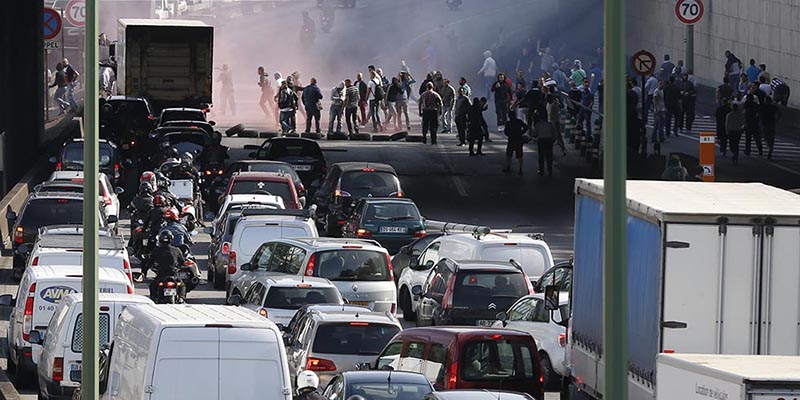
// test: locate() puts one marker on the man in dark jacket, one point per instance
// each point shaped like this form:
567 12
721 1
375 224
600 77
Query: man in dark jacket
672 102
515 129
167 259
311 95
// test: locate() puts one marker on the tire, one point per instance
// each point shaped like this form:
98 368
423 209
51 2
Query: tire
336 136
219 281
381 138
405 305
414 138
360 136
551 378
236 129
11 366
267 135
248 133
311 135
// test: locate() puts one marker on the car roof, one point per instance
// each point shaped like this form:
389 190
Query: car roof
76 271
63 175
462 331
259 198
61 183
293 139
338 243
126 98
56 195
384 376
182 109
466 394
261 176
80 140
356 316
357 165
73 229
328 307
478 265
494 237
68 242
285 280
387 200
112 298
196 315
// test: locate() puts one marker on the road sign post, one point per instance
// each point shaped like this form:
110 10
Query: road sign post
643 63
689 12
707 155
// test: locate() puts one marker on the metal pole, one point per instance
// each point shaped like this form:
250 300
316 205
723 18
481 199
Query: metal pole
62 34
689 48
89 375
615 276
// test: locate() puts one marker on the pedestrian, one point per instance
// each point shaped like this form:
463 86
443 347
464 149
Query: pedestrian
393 94
462 84
407 82
672 102
402 103
524 61
733 66
60 83
476 126
225 79
287 101
689 101
362 99
764 73
578 74
675 171
312 102
521 78
485 106
560 77
724 91
385 86
448 94
430 106
638 90
752 71
660 125
489 71
71 75
574 95
375 95
352 100
721 115
650 86
461 109
544 132
751 124
666 69
770 115
337 108
743 86
679 70
502 99
515 129
519 106
587 101
267 94
764 86
734 124
554 116
546 61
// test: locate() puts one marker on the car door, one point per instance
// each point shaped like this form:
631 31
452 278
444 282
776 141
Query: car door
252 298
261 153
297 347
433 292
425 263
323 196
335 389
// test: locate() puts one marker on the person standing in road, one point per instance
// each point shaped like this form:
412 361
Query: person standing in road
393 93
448 94
724 91
489 71
560 77
578 74
751 124
402 102
287 101
476 126
733 66
71 75
666 69
375 95
689 102
752 71
485 106
659 115
462 107
525 61
362 99
734 124
515 129
679 70
430 106
312 101
60 83
770 115
546 61
574 94
554 116
722 134
587 101
518 105
337 108
764 73
267 95
352 99
544 132
225 79
502 99
672 102
462 84
650 86
743 85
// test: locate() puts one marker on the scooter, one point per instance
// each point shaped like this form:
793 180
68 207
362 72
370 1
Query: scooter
189 272
168 292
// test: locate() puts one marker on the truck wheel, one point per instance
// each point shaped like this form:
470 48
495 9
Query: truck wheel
405 305
551 378
219 280
11 366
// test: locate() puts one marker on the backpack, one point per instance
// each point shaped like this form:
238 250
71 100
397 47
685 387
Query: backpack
379 93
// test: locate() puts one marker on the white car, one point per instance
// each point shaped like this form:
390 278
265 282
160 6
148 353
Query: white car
107 193
243 201
549 330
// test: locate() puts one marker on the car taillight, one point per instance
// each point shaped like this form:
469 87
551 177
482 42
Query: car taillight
226 247
58 166
116 171
126 265
562 339
18 233
130 289
231 262
220 172
448 296
320 364
58 369
389 267
310 265
394 308
107 200
420 233
138 230
452 380
400 194
151 118
27 314
35 261
361 232
170 284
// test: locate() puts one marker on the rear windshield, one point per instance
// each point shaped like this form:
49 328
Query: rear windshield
498 360
232 221
73 156
359 338
131 108
479 289
533 259
352 265
294 298
362 184
77 333
42 212
389 211
294 149
272 167
176 115
389 390
281 189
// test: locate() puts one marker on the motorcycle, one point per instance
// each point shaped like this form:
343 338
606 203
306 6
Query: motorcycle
141 236
189 272
453 4
167 292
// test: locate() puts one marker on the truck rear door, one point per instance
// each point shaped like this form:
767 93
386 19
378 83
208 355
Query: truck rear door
780 305
247 357
187 364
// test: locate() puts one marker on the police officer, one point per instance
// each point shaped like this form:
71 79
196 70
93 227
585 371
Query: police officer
167 259
307 383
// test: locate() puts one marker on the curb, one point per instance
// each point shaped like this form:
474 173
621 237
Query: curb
7 389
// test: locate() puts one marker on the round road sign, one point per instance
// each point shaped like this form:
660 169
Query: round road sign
689 12
75 13
643 62
52 23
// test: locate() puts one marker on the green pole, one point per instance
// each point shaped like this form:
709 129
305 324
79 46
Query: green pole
689 48
89 358
615 276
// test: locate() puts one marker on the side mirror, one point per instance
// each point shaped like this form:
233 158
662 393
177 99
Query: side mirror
502 316
119 190
36 337
52 160
416 290
246 267
209 230
235 300
551 297
112 219
11 215
281 327
7 300
364 366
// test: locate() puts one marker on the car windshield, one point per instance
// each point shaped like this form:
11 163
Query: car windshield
352 265
282 148
43 212
389 391
136 109
481 288
280 189
292 298
356 337
73 156
391 211
181 115
498 360
362 184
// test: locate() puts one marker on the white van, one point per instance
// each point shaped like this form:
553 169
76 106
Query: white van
257 227
40 290
174 352
58 359
67 249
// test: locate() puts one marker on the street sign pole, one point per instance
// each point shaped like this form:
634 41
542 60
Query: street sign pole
615 274
689 48
89 356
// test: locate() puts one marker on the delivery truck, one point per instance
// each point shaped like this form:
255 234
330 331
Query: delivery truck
170 62
728 377
712 268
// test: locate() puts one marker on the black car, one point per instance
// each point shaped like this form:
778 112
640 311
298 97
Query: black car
559 275
346 184
192 141
392 222
411 251
304 155
44 209
378 385
182 114
70 158
206 126
469 292
126 120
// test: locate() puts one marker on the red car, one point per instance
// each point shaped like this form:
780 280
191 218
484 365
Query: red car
273 183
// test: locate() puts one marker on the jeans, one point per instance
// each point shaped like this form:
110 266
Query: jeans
502 113
585 118
392 108
402 109
472 145
722 137
335 115
59 98
545 148
659 126
490 80
447 119
351 118
362 105
688 111
312 113
648 104
430 121
286 120
733 140
70 95
375 113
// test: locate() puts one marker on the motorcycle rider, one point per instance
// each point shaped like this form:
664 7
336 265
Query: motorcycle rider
173 225
163 189
167 259
307 383
153 223
140 208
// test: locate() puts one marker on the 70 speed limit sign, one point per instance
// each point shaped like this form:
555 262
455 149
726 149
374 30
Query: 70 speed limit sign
689 12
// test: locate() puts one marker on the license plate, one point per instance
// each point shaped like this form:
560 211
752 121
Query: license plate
183 275
170 292
360 303
301 167
75 372
394 229
485 322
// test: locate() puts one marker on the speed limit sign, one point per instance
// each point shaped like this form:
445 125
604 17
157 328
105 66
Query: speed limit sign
689 12
75 13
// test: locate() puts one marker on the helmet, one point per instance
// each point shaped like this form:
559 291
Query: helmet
159 200
171 214
307 379
148 176
146 187
162 180
172 152
187 158
165 238
356 397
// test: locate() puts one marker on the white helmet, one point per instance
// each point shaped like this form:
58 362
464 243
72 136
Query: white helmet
307 379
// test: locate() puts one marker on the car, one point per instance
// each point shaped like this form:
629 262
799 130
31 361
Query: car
219 247
108 194
333 342
243 201
265 183
70 158
411 251
378 385
182 114
127 120
549 329
461 357
194 142
42 209
323 308
559 275
221 185
392 222
359 268
304 155
469 292
251 241
58 363
59 186
277 296
478 395
39 292
346 184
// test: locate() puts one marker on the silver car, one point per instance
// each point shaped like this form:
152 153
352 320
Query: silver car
333 342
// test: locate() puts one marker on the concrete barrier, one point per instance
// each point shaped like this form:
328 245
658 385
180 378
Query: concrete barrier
7 389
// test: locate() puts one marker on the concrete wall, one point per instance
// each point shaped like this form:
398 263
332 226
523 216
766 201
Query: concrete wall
765 30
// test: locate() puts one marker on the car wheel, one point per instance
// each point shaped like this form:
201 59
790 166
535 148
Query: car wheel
11 366
551 378
23 379
405 305
219 280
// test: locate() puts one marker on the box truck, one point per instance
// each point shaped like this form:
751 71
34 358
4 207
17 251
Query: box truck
727 377
712 268
170 62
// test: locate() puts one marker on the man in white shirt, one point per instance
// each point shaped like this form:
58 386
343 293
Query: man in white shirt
650 86
489 71
374 101
659 115
765 87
